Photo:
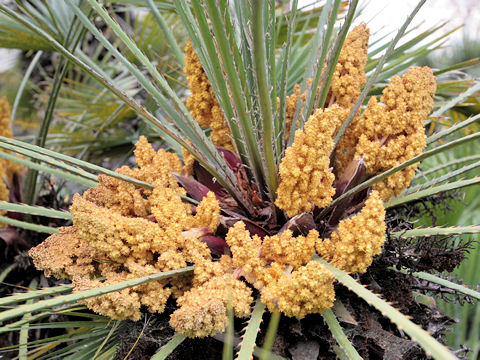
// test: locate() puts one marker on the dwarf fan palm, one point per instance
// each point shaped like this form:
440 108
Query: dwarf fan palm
294 178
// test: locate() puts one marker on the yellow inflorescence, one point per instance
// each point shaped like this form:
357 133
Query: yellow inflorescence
307 290
289 250
208 212
123 304
65 255
203 309
188 161
202 103
117 195
5 129
123 232
126 303
4 194
155 167
118 236
349 76
291 104
305 177
127 199
282 269
389 134
171 213
358 239
245 250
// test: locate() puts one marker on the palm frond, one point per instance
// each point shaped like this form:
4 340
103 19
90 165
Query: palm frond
346 349
65 299
428 343
251 332
167 349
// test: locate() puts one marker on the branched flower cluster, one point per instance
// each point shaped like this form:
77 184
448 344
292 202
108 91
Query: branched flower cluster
121 231
304 171
203 104
358 239
387 134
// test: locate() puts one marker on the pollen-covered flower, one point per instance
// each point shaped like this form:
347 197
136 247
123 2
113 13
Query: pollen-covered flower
170 212
307 290
65 255
289 250
305 176
155 167
123 232
127 199
358 239
291 104
203 309
117 195
202 103
118 236
245 250
208 212
126 303
390 133
237 239
282 269
3 197
188 161
123 304
349 76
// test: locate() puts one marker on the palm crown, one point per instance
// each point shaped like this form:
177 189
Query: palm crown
290 181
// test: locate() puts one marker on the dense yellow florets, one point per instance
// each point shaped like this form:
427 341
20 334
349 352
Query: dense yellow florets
126 303
155 167
5 129
202 103
282 269
203 309
65 255
349 76
208 212
118 236
390 133
245 250
291 104
289 250
188 161
307 290
117 195
123 232
305 176
171 213
358 239
123 304
128 199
